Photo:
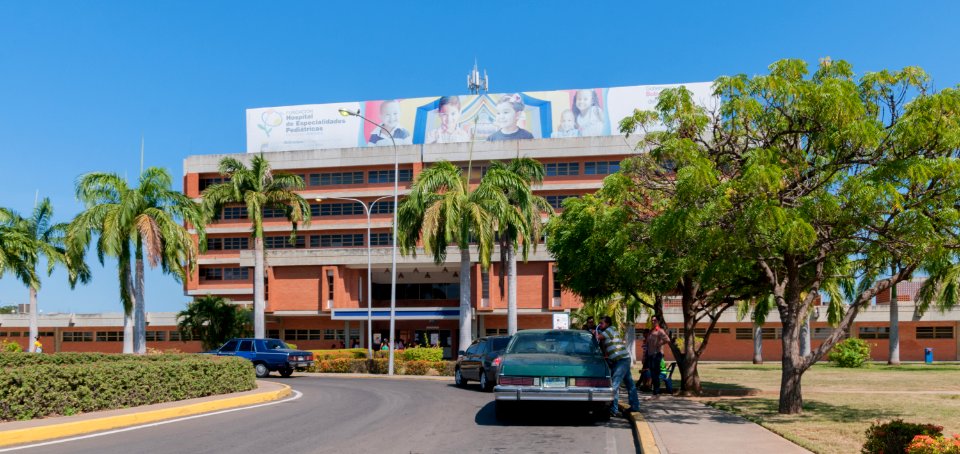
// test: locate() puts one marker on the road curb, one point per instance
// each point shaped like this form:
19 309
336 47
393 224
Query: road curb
67 429
648 444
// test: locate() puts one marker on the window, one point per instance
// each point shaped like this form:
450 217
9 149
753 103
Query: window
273 333
301 334
337 240
382 207
335 178
214 244
418 291
600 167
496 332
176 336
211 274
329 285
556 201
156 336
747 333
771 333
78 336
557 291
821 333
206 182
236 243
234 213
934 332
274 213
246 346
381 239
109 336
283 242
557 169
386 176
229 346
236 274
874 332
485 284
337 209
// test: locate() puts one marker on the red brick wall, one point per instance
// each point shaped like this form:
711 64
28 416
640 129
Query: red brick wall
295 288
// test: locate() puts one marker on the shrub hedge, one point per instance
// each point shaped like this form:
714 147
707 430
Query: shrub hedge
380 366
896 435
852 352
63 384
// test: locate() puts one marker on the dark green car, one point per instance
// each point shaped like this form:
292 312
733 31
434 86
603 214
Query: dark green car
553 365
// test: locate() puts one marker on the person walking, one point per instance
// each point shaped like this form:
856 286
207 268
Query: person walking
619 360
654 353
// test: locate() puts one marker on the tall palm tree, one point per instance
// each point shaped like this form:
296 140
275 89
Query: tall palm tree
442 209
213 320
520 225
257 187
45 240
133 223
16 250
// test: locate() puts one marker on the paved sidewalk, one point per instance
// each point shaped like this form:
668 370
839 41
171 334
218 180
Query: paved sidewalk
681 426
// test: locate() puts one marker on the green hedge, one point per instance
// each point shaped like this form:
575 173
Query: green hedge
27 359
380 366
348 353
37 388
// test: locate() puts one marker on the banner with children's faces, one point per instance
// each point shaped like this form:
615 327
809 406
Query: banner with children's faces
451 119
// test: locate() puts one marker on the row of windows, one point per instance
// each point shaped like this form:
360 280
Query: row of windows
556 201
863 332
225 274
560 169
228 244
210 181
315 334
337 209
25 333
321 209
601 167
117 336
284 242
327 240
333 178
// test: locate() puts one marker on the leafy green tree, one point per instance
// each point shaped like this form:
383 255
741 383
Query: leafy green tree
442 209
8 309
520 226
46 240
257 187
133 223
213 320
817 176
16 251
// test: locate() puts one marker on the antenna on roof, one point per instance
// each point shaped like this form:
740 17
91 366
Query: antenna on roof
476 83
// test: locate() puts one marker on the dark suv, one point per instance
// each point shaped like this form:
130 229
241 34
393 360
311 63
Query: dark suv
267 355
481 361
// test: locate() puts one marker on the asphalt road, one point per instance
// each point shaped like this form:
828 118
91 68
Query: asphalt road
370 416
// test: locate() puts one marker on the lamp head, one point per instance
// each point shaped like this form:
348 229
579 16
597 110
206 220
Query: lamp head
318 200
346 113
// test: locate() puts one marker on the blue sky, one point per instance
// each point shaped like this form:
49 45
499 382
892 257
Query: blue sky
80 82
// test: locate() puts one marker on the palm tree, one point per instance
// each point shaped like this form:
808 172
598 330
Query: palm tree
520 225
45 240
16 250
132 223
257 187
442 209
213 320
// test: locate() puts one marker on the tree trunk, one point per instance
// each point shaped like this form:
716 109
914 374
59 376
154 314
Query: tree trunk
466 313
791 398
757 345
689 376
259 325
894 358
631 340
128 332
139 312
511 290
34 331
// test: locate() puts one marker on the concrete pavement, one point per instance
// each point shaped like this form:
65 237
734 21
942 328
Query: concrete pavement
674 425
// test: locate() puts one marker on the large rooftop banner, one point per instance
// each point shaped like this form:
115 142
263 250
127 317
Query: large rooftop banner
449 119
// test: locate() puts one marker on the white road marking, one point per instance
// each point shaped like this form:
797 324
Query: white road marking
297 395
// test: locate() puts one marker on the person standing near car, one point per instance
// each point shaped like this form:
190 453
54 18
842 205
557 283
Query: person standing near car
619 359
654 353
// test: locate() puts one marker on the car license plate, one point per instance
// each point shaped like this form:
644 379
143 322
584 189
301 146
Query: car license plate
554 382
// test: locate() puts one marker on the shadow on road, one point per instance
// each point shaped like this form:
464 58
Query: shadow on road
546 414
475 387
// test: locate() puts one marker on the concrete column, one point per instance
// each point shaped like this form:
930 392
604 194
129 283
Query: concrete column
481 324
363 334
346 333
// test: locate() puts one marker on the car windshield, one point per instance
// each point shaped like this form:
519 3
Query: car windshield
274 344
500 343
556 342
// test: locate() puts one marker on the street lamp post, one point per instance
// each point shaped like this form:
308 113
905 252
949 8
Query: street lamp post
393 260
368 209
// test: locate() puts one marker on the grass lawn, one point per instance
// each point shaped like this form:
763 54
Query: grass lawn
839 404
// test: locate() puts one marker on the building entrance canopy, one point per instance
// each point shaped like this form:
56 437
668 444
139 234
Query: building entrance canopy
406 313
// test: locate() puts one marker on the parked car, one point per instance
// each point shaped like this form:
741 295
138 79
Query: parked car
481 361
267 355
553 365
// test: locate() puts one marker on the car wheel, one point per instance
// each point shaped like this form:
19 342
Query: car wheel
503 409
286 372
484 384
261 370
458 378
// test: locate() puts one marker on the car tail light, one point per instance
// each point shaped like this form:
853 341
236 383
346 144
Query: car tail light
516 381
496 361
592 382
